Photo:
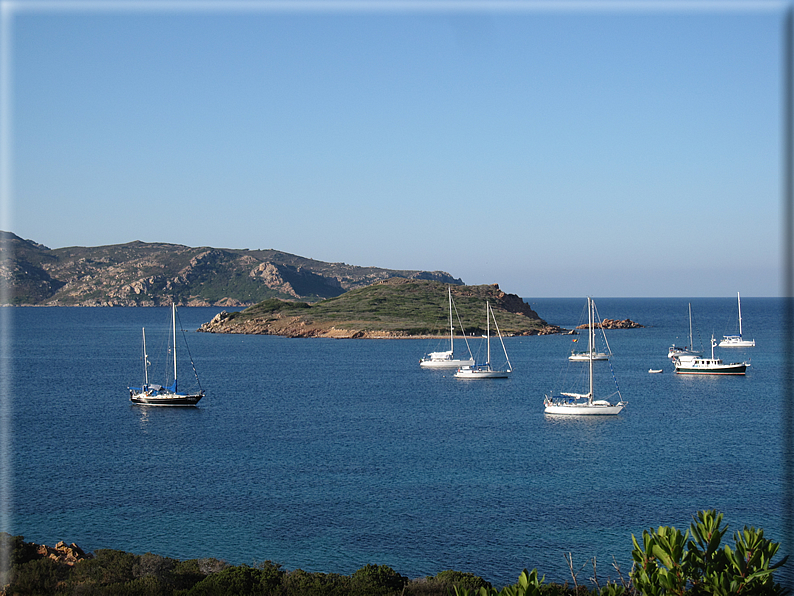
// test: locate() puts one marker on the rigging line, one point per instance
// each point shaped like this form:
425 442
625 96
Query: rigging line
462 328
500 338
187 347
614 378
601 326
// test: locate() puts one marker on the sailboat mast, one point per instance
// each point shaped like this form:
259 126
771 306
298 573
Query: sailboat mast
145 359
488 329
173 328
739 298
691 343
451 329
591 341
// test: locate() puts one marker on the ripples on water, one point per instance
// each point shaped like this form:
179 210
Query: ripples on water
327 455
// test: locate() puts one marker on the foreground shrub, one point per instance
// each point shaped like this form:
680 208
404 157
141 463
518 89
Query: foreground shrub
108 567
239 581
38 577
668 562
299 582
374 580
528 585
461 579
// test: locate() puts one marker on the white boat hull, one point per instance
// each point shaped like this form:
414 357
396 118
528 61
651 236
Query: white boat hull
585 357
676 352
481 373
595 408
445 363
736 341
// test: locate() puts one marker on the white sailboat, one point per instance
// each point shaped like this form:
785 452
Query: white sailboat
584 404
736 341
591 353
485 371
677 351
446 359
157 395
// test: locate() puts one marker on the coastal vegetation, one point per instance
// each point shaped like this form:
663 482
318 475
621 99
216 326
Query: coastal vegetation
396 307
665 562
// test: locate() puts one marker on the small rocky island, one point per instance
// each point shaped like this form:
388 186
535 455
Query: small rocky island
392 308
614 324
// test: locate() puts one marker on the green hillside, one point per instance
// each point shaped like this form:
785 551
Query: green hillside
395 307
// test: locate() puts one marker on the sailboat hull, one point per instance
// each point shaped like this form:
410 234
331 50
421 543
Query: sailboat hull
585 356
596 408
444 363
165 399
481 373
736 341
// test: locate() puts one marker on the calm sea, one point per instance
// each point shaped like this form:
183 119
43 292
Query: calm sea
327 455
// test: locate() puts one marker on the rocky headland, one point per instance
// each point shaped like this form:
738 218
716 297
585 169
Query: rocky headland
394 308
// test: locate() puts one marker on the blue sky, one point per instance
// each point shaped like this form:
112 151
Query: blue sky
628 149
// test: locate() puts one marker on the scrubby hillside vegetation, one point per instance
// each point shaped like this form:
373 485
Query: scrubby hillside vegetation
666 562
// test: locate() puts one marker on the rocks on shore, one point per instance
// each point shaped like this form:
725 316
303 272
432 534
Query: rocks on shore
61 552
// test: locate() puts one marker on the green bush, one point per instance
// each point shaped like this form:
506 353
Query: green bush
240 581
299 582
668 562
373 580
38 577
106 568
461 579
20 551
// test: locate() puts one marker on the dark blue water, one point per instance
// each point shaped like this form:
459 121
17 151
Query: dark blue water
327 455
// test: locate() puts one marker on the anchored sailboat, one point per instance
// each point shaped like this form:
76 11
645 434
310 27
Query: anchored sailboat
446 359
584 404
689 350
485 371
590 352
736 341
158 395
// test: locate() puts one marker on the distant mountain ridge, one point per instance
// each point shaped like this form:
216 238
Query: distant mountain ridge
152 274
